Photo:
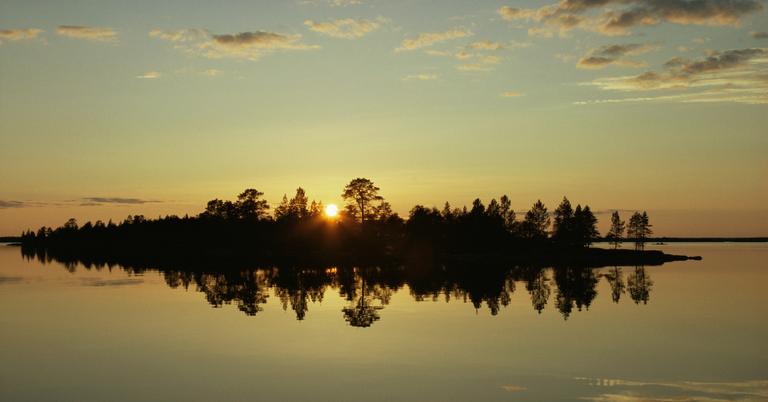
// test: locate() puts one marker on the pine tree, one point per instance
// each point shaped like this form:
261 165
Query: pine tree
616 233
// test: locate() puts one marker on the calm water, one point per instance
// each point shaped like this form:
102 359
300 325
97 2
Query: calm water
693 330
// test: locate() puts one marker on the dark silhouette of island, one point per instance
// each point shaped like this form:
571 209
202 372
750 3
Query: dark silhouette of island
368 290
366 232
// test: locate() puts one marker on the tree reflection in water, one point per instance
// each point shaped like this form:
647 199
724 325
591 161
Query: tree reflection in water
368 290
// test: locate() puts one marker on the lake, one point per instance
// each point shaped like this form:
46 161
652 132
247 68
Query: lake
690 330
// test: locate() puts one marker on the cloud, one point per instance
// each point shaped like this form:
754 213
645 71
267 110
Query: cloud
486 45
348 28
735 75
242 45
632 391
440 53
616 17
513 388
344 3
511 94
115 200
99 34
426 39
11 204
13 35
421 77
512 13
211 72
149 75
614 54
759 35
182 35
481 56
481 64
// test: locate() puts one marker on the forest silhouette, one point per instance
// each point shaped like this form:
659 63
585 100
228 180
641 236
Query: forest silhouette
366 232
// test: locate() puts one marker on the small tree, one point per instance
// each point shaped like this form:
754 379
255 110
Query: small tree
250 206
536 222
616 233
639 229
563 225
298 204
586 224
360 193
282 210
505 207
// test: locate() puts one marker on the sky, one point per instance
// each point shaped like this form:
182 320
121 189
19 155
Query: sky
111 108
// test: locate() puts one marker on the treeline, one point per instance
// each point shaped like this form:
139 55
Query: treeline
365 228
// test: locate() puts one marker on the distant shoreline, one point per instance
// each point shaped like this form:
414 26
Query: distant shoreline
17 239
652 240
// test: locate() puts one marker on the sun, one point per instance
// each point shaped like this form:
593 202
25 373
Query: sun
331 210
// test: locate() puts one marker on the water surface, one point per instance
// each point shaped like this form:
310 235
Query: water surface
693 330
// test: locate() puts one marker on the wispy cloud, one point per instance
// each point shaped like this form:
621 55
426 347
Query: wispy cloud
632 391
11 204
116 200
243 45
344 3
426 39
99 34
759 35
513 388
13 35
511 94
615 55
736 75
421 77
480 64
348 28
617 17
149 75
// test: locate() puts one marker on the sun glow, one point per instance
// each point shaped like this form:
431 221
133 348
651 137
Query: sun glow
331 210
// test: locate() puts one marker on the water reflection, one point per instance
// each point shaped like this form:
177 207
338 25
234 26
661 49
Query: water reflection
368 290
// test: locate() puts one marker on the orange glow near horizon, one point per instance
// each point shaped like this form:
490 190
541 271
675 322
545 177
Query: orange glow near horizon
331 211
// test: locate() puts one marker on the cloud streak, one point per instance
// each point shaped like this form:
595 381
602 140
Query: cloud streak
242 45
511 94
348 28
116 200
426 39
614 55
149 75
11 204
98 34
14 35
735 75
617 17
421 77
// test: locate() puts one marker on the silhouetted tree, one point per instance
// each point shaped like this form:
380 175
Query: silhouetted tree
616 233
298 204
250 206
536 222
639 229
563 230
585 226
360 193
508 214
283 210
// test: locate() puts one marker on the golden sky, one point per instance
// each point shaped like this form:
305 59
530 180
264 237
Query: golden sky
115 108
